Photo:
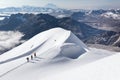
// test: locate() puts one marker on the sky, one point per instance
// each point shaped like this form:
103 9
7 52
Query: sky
68 4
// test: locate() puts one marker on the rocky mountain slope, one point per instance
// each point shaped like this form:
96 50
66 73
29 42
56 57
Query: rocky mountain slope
101 19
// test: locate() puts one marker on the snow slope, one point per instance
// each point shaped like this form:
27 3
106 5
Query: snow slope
47 45
105 69
44 41
57 50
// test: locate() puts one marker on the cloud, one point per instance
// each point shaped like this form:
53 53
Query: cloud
9 39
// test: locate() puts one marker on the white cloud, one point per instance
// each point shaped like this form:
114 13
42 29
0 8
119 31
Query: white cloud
9 39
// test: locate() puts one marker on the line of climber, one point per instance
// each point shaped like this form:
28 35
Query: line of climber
31 57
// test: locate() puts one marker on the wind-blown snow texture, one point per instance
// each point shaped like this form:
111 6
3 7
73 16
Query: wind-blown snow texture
57 50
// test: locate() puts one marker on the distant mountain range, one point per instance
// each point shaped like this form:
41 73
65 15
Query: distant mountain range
60 12
102 19
31 24
108 20
30 9
47 9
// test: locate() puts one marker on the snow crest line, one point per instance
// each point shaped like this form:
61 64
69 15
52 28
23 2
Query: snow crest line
26 54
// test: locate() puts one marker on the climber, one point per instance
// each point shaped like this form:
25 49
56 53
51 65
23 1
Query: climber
31 57
34 54
27 59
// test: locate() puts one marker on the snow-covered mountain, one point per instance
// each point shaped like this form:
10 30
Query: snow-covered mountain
48 9
111 15
101 19
56 54
46 41
30 25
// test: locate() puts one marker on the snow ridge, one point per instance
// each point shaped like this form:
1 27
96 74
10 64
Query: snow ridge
57 50
43 42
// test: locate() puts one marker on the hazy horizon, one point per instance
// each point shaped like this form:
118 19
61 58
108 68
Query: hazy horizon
71 4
